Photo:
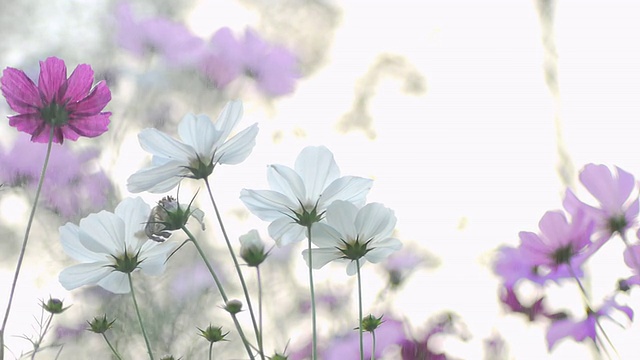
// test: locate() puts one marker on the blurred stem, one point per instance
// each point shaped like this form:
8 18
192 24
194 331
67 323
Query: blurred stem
360 309
238 270
43 332
135 304
588 303
247 346
113 350
23 250
259 302
313 298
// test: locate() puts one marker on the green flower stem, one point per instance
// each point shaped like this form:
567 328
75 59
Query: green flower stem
587 302
373 345
43 332
360 309
259 302
113 350
238 270
220 289
210 350
313 299
135 304
23 250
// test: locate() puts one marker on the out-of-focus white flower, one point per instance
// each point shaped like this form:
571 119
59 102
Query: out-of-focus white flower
300 196
203 145
352 234
111 245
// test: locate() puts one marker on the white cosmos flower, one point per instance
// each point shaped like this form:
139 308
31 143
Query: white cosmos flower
351 233
300 196
105 240
203 144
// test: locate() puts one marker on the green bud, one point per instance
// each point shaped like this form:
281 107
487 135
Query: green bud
233 306
370 323
54 306
213 334
100 325
252 248
278 357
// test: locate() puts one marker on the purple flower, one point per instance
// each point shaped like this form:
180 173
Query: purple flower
72 107
560 244
273 67
402 263
513 264
173 41
534 311
423 349
581 330
618 209
72 187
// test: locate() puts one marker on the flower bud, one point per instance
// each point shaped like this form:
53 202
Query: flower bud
252 248
100 325
213 334
233 306
170 215
54 306
370 323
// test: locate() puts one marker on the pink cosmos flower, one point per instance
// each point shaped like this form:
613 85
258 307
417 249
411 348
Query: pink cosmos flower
534 311
560 244
72 107
73 186
513 264
581 330
619 206
444 324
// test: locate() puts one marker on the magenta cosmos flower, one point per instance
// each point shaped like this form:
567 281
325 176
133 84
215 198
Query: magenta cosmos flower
72 107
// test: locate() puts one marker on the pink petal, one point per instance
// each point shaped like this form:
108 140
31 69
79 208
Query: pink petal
20 91
53 75
91 105
31 124
79 84
624 186
89 126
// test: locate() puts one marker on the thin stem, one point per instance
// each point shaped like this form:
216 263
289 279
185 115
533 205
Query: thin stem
43 332
360 309
586 300
259 302
210 350
23 250
135 304
314 341
113 350
220 289
373 345
238 270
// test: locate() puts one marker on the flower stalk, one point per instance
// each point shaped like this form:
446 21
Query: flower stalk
135 304
359 309
23 249
313 298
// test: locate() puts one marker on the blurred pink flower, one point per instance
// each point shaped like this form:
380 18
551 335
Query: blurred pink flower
171 40
73 185
71 106
512 265
619 207
273 67
390 332
581 330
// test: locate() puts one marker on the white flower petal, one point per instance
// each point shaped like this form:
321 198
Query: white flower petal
158 179
348 188
69 237
321 256
84 274
317 168
163 145
228 119
352 268
286 181
374 221
135 214
382 249
154 256
284 231
238 148
266 204
117 282
102 233
200 133
251 239
341 215
325 236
